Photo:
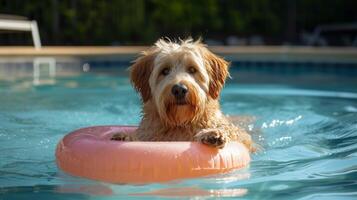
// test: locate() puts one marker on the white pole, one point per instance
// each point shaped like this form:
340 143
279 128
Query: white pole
20 25
35 35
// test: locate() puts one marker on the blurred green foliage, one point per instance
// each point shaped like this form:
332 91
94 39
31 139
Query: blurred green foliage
110 22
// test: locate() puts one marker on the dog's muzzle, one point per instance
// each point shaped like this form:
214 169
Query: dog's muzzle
179 91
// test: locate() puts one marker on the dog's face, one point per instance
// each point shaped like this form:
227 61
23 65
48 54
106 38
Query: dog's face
179 79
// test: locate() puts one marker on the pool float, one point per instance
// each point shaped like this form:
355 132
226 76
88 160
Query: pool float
89 153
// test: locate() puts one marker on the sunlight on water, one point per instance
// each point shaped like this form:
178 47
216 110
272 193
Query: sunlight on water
307 139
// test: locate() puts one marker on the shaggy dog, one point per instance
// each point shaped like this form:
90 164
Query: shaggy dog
180 84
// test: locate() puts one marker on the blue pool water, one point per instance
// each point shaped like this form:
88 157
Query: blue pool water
306 127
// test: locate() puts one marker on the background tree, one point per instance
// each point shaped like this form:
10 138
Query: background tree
134 22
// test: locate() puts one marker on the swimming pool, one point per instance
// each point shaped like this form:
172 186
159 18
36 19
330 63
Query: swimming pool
306 124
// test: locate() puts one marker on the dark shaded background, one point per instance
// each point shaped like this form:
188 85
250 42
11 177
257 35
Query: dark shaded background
140 22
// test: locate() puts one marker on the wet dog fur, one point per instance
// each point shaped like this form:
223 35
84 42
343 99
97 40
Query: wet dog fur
180 84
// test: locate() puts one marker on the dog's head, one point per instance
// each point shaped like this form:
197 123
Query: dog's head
179 79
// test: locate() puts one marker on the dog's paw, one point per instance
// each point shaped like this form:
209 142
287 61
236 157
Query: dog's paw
122 137
212 137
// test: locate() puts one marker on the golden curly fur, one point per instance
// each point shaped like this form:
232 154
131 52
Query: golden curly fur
196 117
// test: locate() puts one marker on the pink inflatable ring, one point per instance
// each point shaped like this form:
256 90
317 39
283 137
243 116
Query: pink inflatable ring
89 153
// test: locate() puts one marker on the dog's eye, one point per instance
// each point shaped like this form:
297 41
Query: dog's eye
165 71
192 70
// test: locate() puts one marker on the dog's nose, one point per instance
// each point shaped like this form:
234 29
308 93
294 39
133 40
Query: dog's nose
179 90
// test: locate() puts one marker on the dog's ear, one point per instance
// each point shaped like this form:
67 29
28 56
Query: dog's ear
218 71
140 73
